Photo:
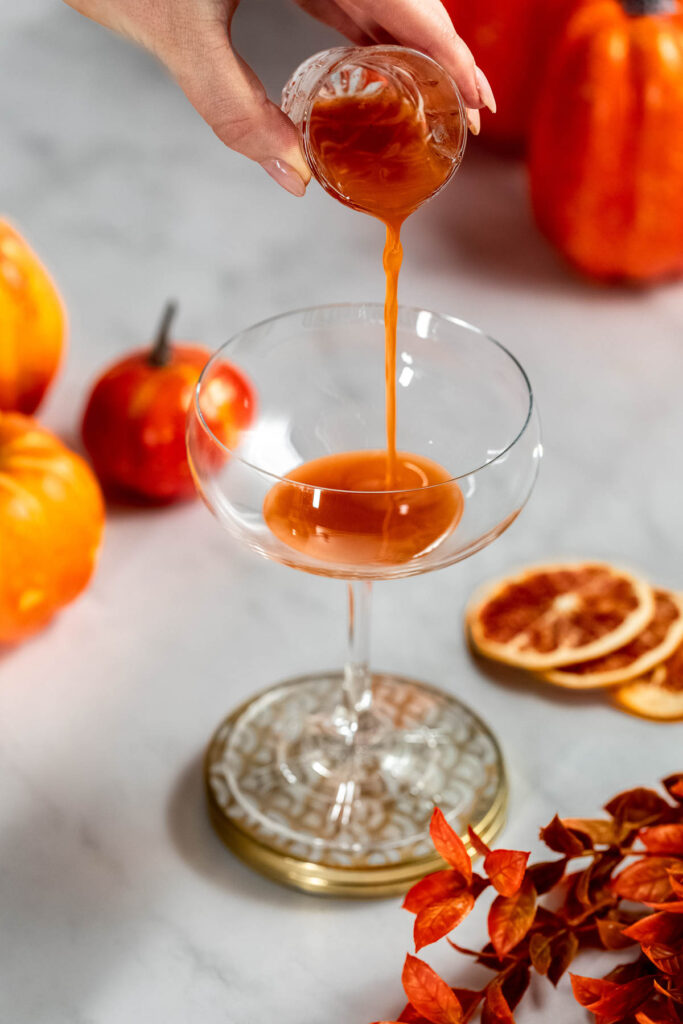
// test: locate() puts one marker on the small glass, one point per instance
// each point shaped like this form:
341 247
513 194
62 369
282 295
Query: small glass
344 769
367 73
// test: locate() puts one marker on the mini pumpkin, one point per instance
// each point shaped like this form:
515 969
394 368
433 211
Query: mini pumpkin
51 523
32 325
134 421
606 155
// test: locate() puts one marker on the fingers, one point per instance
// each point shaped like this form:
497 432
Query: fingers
425 25
329 12
232 100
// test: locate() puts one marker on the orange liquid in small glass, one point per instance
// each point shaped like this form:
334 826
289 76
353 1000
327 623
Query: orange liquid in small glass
376 152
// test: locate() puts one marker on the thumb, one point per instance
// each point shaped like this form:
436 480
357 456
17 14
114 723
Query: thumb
231 99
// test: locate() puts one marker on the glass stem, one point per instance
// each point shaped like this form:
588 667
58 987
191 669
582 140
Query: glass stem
357 678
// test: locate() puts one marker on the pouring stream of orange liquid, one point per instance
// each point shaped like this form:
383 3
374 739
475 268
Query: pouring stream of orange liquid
375 150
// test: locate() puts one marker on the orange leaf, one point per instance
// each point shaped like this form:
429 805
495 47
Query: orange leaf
646 881
510 918
611 1000
663 838
612 934
434 889
603 831
495 1009
506 870
429 994
449 845
656 929
438 919
477 843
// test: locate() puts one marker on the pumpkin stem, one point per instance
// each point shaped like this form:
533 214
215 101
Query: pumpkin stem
645 8
161 349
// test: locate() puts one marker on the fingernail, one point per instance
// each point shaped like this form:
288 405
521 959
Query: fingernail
474 121
285 175
485 91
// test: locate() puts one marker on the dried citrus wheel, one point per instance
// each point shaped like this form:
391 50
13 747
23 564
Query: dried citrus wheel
657 695
660 637
555 615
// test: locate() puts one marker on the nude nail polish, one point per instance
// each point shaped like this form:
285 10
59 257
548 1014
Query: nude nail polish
474 121
485 91
285 175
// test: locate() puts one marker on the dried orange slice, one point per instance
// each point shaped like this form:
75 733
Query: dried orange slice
660 638
555 615
657 695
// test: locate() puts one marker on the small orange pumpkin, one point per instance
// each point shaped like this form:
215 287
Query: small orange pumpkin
51 522
32 325
606 155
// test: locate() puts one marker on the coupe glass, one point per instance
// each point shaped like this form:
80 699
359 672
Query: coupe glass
344 769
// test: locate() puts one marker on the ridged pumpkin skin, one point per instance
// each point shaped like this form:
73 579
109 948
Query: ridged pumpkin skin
51 523
606 155
32 325
511 41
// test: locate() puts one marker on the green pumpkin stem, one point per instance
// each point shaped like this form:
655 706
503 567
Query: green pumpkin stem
645 8
161 349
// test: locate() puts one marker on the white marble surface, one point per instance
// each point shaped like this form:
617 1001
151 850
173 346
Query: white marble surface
116 901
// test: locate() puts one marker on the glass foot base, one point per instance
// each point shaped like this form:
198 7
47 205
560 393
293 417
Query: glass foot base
296 797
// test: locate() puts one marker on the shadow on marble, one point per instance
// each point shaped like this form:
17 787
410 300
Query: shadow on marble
188 826
485 220
517 680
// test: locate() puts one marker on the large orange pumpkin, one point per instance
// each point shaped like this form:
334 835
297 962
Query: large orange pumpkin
511 41
51 521
32 325
606 156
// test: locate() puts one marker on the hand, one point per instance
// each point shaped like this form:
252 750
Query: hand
192 37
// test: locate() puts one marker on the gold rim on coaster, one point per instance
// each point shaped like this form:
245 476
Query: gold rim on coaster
245 749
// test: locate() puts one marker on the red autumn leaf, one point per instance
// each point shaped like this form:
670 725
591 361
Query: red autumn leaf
510 918
560 839
434 889
540 952
646 881
478 844
506 870
429 994
495 1009
675 907
674 786
656 929
438 919
612 934
663 838
449 845
639 806
565 948
547 874
609 1000
670 961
